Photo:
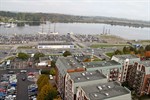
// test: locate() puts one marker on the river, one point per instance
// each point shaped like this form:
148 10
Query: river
82 28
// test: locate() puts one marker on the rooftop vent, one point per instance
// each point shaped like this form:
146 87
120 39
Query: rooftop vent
95 95
99 87
109 87
106 94
83 74
78 78
87 78
91 73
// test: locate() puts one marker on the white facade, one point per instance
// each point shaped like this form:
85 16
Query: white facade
55 46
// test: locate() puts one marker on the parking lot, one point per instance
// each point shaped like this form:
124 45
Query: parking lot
19 91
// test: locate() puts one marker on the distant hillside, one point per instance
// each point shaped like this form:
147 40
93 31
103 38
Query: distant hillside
6 16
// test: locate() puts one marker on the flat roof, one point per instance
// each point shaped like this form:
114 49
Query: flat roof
44 58
104 91
124 57
86 76
101 64
55 43
145 63
70 62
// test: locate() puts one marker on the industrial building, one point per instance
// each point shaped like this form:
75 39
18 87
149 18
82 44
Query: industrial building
55 45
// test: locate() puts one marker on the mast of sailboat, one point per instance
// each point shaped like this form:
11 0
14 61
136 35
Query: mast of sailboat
103 29
54 26
49 28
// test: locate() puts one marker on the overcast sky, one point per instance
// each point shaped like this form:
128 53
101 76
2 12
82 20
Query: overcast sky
131 9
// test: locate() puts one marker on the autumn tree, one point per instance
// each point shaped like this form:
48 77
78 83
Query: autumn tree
43 80
48 92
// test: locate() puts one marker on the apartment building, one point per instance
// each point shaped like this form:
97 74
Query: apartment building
73 73
74 80
66 65
103 91
111 69
126 61
139 78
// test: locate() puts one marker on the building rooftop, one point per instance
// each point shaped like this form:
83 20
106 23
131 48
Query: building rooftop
55 43
145 63
104 91
127 56
68 63
86 76
44 58
101 64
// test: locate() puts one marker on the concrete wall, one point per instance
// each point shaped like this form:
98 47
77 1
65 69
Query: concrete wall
122 97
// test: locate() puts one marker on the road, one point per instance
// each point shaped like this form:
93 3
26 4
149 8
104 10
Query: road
22 87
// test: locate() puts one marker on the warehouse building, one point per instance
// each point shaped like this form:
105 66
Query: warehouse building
55 45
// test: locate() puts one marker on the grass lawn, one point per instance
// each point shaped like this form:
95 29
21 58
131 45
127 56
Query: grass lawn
110 54
25 47
96 59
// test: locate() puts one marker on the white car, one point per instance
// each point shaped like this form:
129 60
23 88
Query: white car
23 71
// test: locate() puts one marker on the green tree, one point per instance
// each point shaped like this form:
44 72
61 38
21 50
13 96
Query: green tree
37 55
53 63
126 50
147 48
66 53
117 52
23 56
52 71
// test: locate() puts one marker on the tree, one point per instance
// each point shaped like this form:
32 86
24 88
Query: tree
51 94
41 79
66 53
23 56
53 63
117 52
43 82
38 55
44 92
52 71
147 48
126 50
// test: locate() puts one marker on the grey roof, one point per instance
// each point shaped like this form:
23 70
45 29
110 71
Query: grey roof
127 56
55 43
104 91
44 58
145 63
65 63
101 64
86 76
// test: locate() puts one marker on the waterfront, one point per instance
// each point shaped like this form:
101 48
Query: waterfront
82 28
